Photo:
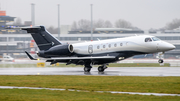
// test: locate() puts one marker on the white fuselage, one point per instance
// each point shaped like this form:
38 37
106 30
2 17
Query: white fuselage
134 43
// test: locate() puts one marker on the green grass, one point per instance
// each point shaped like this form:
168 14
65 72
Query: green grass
47 95
17 65
72 65
169 85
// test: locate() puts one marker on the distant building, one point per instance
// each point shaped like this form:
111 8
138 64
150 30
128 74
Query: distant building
109 31
4 19
27 22
177 30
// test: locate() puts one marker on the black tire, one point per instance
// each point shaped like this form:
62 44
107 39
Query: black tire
87 69
100 69
160 61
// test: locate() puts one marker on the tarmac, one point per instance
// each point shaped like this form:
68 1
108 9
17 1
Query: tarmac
111 71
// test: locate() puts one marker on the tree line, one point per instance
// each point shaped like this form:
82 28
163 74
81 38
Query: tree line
175 23
85 25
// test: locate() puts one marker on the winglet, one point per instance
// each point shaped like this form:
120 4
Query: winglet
30 56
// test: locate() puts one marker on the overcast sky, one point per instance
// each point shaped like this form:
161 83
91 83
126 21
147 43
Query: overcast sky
144 14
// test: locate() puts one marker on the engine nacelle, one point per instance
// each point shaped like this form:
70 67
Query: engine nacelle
58 50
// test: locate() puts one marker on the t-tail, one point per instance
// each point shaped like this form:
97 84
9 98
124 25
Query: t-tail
48 45
42 37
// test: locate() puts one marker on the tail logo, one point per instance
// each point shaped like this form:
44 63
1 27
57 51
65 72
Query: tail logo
52 43
90 49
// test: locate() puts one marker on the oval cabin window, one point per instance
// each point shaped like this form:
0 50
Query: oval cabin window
104 46
115 45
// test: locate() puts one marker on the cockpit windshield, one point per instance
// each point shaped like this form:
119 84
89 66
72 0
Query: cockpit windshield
155 39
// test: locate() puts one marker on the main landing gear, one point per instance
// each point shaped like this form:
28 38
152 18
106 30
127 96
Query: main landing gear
87 68
102 68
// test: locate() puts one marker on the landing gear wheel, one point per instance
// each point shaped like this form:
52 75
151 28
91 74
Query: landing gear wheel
100 69
160 61
87 69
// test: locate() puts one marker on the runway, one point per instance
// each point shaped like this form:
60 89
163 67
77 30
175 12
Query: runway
111 71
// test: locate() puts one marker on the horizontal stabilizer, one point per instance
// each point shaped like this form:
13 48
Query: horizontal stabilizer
22 28
30 56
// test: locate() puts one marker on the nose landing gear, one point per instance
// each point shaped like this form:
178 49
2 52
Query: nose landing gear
161 56
160 61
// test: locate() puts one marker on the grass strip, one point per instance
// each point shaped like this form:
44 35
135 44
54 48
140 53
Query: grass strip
170 85
16 65
47 95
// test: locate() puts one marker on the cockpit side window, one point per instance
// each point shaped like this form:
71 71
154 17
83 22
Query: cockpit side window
148 40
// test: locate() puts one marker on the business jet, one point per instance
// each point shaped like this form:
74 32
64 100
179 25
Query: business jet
101 52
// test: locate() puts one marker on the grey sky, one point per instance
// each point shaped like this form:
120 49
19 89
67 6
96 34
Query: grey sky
144 14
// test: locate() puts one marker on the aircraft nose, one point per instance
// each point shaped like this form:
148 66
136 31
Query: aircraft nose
166 46
172 47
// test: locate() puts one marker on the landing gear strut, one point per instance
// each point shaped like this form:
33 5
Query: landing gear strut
161 56
87 69
102 68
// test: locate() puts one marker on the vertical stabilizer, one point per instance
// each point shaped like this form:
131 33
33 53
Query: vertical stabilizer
42 37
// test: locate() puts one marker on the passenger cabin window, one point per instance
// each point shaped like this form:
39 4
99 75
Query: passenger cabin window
115 45
148 40
97 47
109 45
104 46
121 44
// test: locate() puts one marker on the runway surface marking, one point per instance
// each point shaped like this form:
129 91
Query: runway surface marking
112 92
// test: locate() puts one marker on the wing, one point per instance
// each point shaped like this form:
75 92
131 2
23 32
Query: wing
82 58
69 60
